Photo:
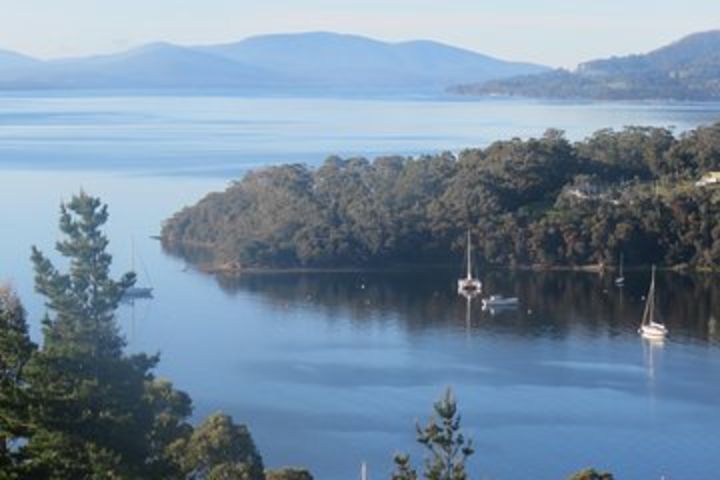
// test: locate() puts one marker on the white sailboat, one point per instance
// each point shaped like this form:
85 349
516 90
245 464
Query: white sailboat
469 285
649 327
620 280
134 292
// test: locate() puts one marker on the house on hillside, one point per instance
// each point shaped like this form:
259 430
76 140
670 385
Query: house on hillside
710 178
586 191
584 188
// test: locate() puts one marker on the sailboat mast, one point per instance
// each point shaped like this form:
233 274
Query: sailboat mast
649 313
469 262
651 296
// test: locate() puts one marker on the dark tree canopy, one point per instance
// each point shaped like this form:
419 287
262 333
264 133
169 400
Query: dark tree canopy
219 449
537 202
591 474
288 473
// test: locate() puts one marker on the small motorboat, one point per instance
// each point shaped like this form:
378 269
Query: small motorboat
498 302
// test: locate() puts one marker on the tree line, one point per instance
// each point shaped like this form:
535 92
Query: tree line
541 202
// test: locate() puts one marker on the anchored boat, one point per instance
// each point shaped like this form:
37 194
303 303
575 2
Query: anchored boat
620 280
135 293
498 302
650 327
469 285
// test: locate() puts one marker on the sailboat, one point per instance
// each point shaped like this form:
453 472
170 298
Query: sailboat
134 293
469 285
649 327
620 280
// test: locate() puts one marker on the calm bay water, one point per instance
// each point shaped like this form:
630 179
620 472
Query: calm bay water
333 369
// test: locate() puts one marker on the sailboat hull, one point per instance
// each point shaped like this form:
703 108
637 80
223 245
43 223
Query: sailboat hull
138 292
653 330
469 285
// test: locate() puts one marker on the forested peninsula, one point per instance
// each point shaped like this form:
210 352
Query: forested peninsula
684 70
543 202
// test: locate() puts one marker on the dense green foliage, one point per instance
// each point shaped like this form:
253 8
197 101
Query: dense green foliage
78 406
218 449
540 202
591 474
685 70
447 448
288 473
15 351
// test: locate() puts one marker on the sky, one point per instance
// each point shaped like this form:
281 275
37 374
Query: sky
552 32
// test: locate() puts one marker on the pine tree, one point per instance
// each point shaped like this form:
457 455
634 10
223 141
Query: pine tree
16 349
83 300
403 468
447 447
87 400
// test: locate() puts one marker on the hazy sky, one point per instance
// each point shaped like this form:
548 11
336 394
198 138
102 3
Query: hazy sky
555 32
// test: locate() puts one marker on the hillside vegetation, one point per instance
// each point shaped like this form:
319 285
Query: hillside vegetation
540 202
688 69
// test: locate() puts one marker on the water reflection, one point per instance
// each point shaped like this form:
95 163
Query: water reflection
652 350
553 304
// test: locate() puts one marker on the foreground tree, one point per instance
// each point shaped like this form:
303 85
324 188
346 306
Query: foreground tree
447 447
219 449
87 403
403 468
591 474
288 473
15 352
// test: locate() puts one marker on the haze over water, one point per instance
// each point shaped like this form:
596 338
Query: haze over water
224 135
333 369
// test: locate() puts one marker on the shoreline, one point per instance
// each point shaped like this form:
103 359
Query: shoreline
400 268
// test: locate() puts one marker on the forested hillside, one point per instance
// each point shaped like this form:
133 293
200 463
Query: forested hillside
539 202
688 69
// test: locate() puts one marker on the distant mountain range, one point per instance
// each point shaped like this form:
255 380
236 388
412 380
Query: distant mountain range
276 63
688 69
12 60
